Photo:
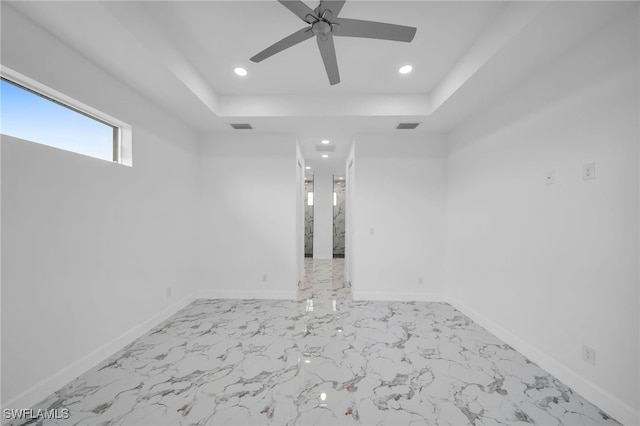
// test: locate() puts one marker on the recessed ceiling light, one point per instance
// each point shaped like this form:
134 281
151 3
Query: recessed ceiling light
405 69
340 178
308 167
325 155
240 71
325 142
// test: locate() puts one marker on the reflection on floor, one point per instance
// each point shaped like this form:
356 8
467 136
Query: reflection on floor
324 281
323 359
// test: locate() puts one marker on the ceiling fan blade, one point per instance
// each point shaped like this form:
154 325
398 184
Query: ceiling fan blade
370 29
328 53
300 9
335 6
291 40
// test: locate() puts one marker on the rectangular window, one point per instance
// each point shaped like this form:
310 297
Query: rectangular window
309 198
36 113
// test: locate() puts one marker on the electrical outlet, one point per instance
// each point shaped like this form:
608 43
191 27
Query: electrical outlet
589 354
265 278
168 291
589 171
420 280
372 231
550 177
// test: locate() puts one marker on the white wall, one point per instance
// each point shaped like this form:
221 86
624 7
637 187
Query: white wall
322 216
400 198
300 211
550 268
248 241
349 251
88 247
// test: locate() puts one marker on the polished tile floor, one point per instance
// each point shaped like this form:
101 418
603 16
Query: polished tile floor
321 360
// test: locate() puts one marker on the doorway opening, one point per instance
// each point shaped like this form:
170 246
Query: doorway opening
308 217
324 240
339 192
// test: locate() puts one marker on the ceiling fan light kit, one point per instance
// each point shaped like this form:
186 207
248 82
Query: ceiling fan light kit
325 24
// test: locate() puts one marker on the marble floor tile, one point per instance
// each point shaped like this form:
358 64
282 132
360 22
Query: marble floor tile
324 280
323 359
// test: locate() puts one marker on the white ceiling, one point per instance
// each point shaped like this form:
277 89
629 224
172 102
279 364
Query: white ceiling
181 55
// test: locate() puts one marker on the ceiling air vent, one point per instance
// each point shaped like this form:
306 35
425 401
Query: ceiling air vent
407 126
241 126
325 148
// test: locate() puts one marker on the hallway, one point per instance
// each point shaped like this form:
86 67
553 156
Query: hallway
323 360
324 280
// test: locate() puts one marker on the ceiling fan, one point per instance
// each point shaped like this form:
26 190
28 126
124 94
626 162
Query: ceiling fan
325 24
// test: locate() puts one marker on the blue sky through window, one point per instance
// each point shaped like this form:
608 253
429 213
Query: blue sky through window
25 115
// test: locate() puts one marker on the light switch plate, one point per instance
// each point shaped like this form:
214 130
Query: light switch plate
589 171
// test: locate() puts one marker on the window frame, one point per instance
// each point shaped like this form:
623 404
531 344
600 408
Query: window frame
122 132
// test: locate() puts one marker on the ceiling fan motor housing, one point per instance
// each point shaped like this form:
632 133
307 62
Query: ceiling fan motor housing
321 28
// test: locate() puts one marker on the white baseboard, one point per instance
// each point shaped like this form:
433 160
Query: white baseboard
219 294
399 297
46 387
593 393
